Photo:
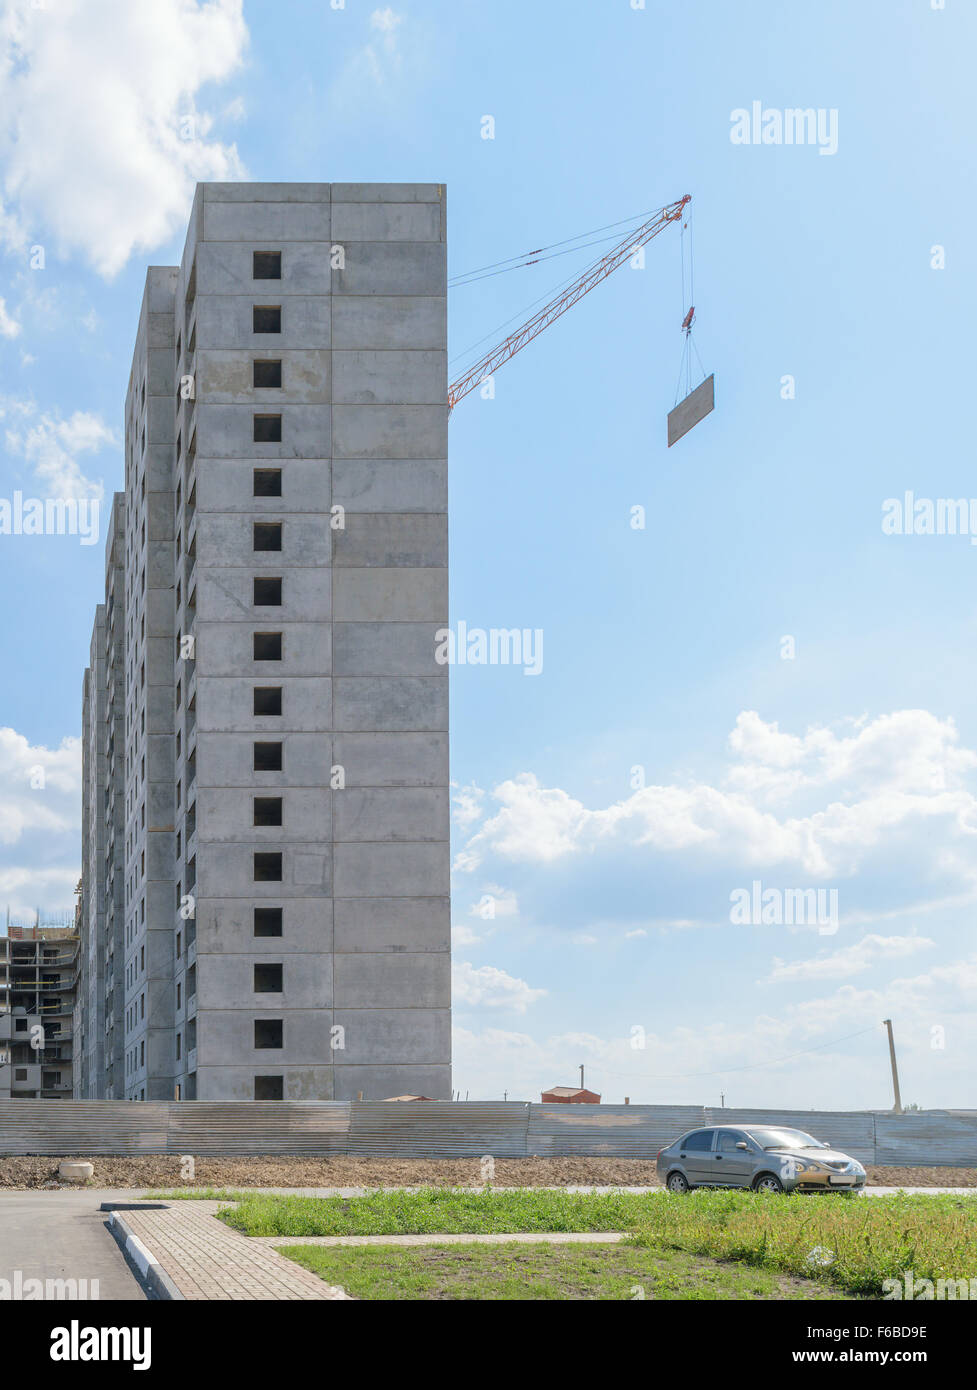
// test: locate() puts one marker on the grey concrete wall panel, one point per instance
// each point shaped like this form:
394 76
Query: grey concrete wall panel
377 649
380 540
392 813
375 925
696 406
391 703
266 223
367 377
374 221
417 1036
391 485
390 595
390 431
392 760
389 322
391 870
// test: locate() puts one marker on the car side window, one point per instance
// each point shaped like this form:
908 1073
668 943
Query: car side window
728 1139
699 1142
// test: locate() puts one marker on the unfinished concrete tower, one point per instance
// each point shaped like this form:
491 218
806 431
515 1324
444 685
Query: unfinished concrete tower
286 848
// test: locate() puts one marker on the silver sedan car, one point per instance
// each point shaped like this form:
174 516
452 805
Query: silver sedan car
766 1158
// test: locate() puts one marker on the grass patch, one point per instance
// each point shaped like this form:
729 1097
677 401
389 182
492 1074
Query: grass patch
185 1194
856 1244
543 1272
436 1211
851 1243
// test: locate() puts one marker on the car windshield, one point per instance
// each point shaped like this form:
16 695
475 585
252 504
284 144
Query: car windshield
785 1139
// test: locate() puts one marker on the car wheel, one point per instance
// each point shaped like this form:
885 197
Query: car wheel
677 1182
768 1182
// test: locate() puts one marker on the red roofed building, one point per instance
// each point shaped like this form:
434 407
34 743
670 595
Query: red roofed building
569 1095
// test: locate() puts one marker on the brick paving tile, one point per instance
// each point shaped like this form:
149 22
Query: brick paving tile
207 1260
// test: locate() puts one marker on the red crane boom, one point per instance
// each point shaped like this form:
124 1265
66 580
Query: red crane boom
501 354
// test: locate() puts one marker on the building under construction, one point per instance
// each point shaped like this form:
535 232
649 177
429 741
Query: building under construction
38 976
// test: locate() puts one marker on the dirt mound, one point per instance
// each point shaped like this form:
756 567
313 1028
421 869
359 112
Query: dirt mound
163 1170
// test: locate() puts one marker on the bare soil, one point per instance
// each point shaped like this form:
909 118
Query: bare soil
163 1170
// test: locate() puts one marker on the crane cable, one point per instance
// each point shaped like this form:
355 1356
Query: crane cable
689 347
469 277
519 314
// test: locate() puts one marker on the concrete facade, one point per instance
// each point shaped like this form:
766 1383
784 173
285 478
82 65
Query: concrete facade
285 859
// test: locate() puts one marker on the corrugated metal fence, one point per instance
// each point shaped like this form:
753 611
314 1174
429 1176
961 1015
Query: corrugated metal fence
459 1129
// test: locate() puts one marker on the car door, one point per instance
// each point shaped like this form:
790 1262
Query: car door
696 1155
732 1166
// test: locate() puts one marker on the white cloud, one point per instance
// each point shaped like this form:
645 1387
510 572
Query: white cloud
468 805
9 327
809 1057
464 936
52 446
894 774
494 902
634 935
374 68
96 98
40 822
848 960
490 988
385 20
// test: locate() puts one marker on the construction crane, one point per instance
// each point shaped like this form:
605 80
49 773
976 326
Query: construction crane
687 413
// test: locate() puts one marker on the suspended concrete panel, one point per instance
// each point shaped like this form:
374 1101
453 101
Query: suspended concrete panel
689 412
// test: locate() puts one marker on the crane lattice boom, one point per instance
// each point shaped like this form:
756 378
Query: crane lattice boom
500 354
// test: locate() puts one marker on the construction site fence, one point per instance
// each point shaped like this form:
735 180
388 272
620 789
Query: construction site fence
454 1129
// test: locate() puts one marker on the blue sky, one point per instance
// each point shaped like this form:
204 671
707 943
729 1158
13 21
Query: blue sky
850 767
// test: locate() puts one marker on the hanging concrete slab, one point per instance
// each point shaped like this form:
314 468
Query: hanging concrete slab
689 412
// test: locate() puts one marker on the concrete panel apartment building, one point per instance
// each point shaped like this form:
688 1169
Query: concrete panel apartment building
265 902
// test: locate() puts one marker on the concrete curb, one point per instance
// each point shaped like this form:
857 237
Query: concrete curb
153 1275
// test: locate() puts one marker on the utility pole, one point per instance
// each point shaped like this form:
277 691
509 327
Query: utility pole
581 1076
722 1099
897 1108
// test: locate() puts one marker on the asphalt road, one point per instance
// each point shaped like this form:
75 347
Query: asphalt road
63 1235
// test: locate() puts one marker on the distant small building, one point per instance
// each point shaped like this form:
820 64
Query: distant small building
569 1095
386 1098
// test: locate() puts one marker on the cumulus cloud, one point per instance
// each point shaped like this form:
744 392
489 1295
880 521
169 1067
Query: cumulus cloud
467 804
464 936
487 987
101 138
495 901
849 960
52 446
9 327
40 822
890 776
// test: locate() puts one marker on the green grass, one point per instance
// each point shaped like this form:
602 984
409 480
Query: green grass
436 1210
863 1241
185 1194
548 1272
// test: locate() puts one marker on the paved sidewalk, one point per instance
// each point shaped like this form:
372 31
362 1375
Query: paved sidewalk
207 1260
